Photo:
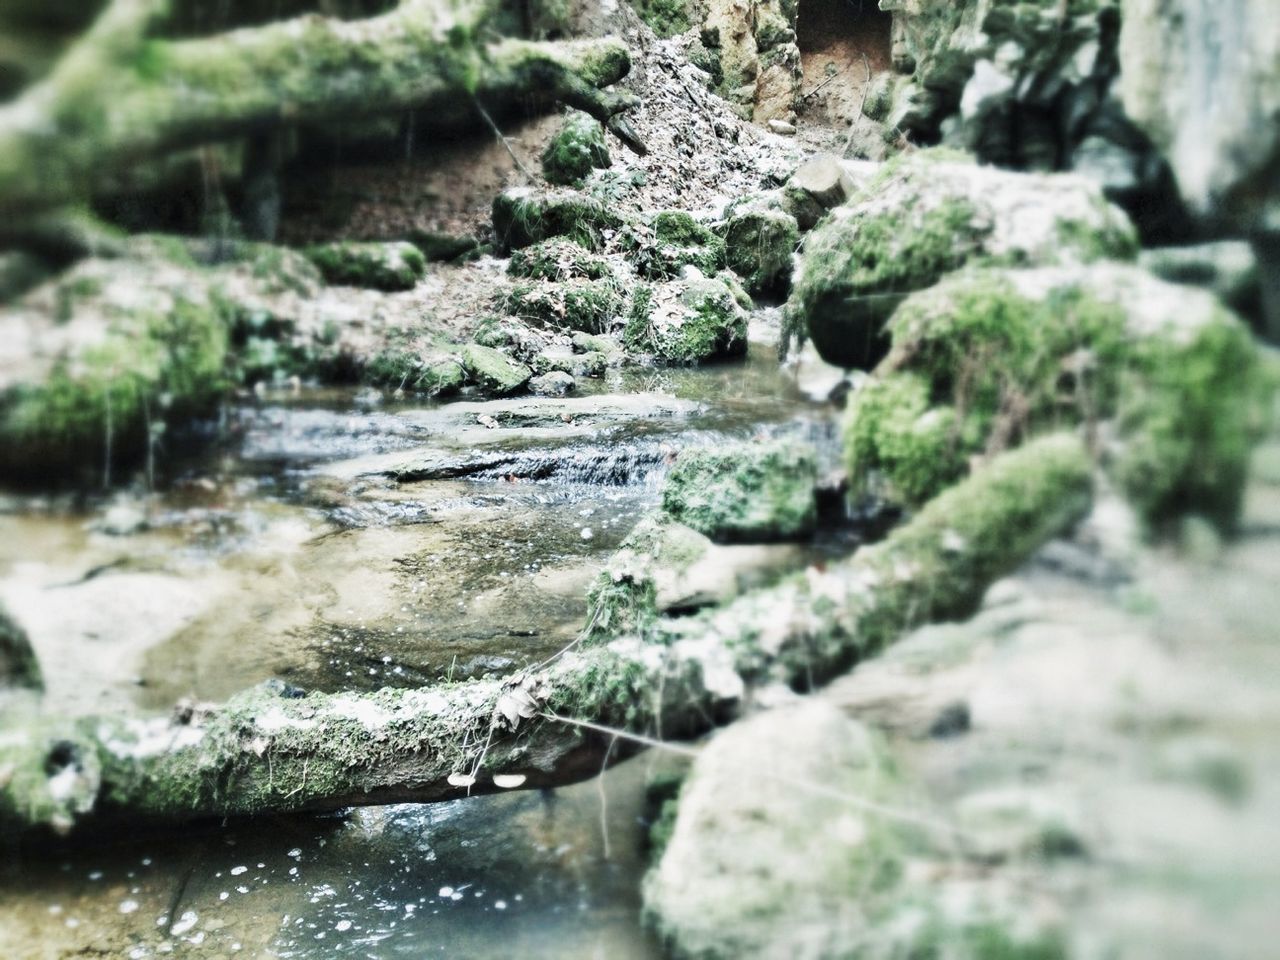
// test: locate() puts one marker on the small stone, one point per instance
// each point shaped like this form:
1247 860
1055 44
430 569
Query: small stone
782 128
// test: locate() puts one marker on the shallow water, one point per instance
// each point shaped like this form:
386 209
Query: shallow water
337 541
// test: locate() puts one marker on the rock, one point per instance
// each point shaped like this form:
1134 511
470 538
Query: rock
824 179
523 216
577 148
493 371
438 245
591 364
927 214
1167 377
687 321
745 491
101 358
764 851
378 266
782 128
442 377
558 260
589 306
556 383
1203 81
18 665
1229 269
761 238
594 343
671 241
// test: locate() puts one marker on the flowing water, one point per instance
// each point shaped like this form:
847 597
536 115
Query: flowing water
338 540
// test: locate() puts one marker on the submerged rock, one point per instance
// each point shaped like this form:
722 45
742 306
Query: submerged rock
379 266
1164 375
746 491
687 321
577 148
926 215
523 216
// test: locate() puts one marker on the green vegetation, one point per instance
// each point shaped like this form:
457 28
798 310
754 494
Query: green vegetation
578 148
589 306
686 322
665 17
670 241
379 266
746 491
988 358
523 216
558 260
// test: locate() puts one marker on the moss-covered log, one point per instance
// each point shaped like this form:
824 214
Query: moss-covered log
264 751
121 95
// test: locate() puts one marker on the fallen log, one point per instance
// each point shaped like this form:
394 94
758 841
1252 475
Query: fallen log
264 752
120 95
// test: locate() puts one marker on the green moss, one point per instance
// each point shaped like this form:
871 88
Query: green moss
379 266
493 371
665 17
670 241
522 217
686 322
979 365
558 260
154 357
759 243
577 148
859 266
746 491
583 305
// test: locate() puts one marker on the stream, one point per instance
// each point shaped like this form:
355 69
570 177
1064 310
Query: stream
338 540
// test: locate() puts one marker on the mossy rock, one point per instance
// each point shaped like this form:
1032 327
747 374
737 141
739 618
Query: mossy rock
988 357
113 351
578 365
665 17
625 595
589 306
493 371
398 368
926 215
558 260
523 216
378 266
18 665
577 148
760 239
443 247
670 241
760 862
745 491
687 321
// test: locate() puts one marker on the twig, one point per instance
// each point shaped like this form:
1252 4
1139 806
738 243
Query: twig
502 138
604 798
853 121
838 73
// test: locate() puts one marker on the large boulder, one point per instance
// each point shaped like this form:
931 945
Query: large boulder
687 321
768 858
744 491
1164 379
761 237
926 215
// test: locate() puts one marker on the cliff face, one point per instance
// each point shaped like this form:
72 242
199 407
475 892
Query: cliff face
1202 78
